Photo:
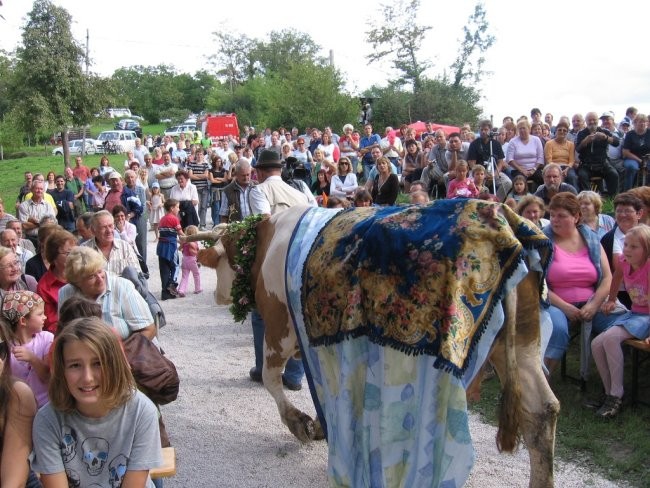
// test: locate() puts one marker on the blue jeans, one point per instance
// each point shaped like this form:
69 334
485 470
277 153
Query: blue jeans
631 169
559 341
215 206
204 200
293 371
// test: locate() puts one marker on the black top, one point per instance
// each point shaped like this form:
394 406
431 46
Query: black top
387 194
595 151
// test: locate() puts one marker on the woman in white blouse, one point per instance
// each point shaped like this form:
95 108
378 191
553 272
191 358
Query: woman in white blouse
344 183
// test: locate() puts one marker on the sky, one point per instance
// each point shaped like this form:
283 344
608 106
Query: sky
562 56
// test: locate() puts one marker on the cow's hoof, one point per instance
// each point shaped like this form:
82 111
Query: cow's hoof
319 435
301 425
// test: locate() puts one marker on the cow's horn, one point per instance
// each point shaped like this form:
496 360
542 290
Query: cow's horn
212 235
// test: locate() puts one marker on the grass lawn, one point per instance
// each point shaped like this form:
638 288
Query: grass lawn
618 449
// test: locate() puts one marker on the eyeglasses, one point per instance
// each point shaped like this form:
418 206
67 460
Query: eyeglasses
561 130
13 265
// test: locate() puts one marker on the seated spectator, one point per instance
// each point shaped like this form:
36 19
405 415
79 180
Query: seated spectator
362 198
525 154
84 227
123 308
415 161
77 307
29 344
8 238
553 184
461 186
628 210
115 417
532 208
4 216
17 227
590 208
633 269
385 186
578 276
344 184
519 189
336 202
643 193
418 197
11 278
117 253
562 151
57 248
17 409
37 265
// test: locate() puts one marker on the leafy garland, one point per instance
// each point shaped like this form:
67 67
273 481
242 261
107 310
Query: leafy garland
242 293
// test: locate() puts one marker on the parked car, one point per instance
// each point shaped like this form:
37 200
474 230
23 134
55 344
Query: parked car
115 141
118 112
75 148
137 117
177 130
130 124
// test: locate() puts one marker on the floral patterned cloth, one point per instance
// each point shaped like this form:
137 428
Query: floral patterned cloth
422 279
394 419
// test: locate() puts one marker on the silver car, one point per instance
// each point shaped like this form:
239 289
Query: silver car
75 147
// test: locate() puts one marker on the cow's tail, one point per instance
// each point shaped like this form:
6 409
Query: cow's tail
508 435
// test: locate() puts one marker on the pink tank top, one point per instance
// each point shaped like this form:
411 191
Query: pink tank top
572 276
636 284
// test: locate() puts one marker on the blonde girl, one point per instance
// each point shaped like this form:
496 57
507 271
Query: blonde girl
156 207
190 251
633 270
28 343
462 186
97 424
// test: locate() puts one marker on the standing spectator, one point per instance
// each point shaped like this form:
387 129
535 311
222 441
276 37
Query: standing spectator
367 143
76 186
64 200
166 174
31 211
156 208
635 147
169 229
235 197
139 151
80 170
190 251
105 168
118 254
199 171
139 220
25 189
218 178
185 194
119 194
592 144
124 228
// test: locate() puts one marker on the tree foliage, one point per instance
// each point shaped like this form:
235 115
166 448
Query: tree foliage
398 37
49 90
468 66
233 62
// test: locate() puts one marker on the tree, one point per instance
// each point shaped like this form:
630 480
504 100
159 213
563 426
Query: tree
233 61
398 37
50 90
468 66
284 49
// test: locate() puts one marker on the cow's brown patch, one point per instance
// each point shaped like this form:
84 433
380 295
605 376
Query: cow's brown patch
208 257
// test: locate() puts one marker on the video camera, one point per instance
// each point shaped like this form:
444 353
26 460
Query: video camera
294 170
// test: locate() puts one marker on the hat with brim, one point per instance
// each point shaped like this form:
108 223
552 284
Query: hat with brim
114 174
268 160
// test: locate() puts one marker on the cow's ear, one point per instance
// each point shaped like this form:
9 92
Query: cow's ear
208 257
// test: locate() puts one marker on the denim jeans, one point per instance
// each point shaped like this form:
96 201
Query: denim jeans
559 340
215 206
293 371
631 169
204 201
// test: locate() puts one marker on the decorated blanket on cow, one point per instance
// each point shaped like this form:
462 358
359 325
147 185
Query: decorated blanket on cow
392 418
422 279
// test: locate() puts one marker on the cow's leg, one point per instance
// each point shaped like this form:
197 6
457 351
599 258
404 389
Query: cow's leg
280 344
539 406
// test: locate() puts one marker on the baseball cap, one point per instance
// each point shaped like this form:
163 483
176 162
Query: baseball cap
114 174
607 115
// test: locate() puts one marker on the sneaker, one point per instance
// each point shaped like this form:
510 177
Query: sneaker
255 375
610 408
172 289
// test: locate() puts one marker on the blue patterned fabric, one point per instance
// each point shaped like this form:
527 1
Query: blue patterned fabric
391 419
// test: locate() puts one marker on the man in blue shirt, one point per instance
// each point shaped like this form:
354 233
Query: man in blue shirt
366 144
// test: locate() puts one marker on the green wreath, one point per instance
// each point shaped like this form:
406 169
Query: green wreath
242 293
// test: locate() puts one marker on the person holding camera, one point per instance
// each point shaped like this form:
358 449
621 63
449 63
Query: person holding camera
592 144
487 151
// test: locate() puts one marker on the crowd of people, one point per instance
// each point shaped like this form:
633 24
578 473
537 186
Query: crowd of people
69 256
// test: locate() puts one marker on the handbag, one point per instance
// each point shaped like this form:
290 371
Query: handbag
155 375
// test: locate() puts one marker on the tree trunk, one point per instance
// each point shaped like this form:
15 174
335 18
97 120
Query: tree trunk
66 148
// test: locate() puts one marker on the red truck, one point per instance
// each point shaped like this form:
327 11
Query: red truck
221 125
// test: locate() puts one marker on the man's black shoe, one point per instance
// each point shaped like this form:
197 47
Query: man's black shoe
255 375
291 386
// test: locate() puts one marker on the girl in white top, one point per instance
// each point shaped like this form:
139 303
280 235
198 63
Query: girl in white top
344 183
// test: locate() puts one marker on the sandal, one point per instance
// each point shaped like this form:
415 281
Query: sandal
610 408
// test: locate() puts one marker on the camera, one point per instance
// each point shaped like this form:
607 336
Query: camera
294 170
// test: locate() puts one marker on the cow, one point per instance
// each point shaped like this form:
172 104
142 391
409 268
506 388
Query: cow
529 409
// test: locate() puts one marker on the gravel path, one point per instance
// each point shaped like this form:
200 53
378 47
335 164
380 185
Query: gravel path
227 431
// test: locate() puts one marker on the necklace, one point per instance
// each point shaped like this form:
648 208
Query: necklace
382 180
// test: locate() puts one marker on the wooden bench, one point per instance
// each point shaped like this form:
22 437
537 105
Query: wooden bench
168 468
637 347
583 332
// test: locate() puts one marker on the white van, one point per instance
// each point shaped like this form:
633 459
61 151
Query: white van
118 112
115 141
